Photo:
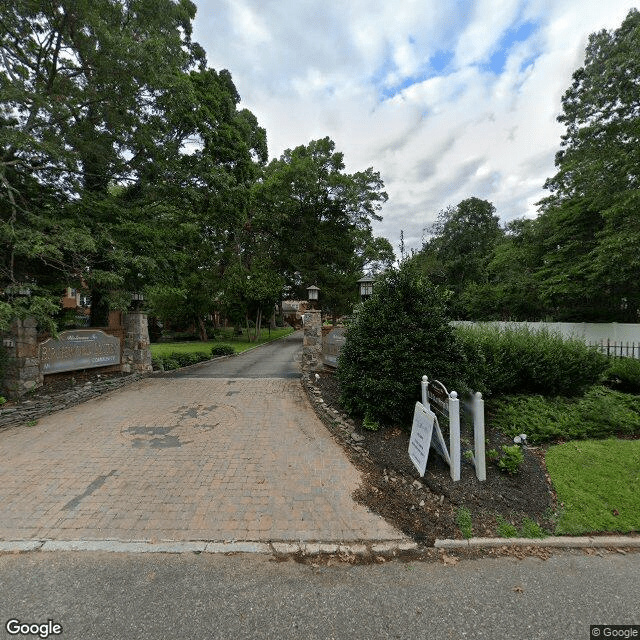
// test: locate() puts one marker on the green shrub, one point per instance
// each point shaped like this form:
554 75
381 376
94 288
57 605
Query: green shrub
511 459
506 529
4 359
370 424
600 413
400 334
521 360
188 358
531 529
464 522
169 363
222 350
623 374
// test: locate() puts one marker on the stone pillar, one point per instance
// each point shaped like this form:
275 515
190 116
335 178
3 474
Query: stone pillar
312 342
22 373
136 354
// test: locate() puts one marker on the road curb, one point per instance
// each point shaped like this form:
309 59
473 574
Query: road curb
285 547
559 542
288 547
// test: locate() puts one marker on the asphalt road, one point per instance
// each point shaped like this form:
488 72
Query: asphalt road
279 359
157 596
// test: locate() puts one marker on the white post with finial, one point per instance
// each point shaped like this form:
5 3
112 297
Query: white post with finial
425 394
454 435
478 436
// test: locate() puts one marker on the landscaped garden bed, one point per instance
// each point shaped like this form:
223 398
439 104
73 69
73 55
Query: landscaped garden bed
540 384
524 504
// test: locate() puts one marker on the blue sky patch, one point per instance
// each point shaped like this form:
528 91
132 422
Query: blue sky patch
498 60
441 60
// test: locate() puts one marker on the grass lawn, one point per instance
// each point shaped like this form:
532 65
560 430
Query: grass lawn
599 483
239 343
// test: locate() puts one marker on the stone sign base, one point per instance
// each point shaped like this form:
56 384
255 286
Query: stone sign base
24 370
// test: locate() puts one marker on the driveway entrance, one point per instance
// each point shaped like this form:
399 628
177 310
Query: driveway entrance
197 455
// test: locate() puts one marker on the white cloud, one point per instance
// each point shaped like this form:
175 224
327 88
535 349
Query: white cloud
454 127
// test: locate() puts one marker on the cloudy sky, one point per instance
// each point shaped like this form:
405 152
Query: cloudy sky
446 99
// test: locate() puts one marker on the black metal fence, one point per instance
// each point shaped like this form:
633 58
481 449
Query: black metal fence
613 349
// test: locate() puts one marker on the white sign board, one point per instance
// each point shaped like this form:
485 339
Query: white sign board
420 441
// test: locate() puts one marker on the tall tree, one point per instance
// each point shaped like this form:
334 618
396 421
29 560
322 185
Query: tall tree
319 219
461 243
590 269
84 86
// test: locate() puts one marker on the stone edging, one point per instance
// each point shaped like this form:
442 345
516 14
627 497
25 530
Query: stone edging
558 542
28 410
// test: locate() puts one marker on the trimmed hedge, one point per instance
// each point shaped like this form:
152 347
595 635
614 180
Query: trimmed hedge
177 359
222 350
520 360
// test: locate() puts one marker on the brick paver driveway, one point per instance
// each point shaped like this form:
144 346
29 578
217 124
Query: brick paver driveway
183 458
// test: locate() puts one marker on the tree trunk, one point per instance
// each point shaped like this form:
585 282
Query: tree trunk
203 329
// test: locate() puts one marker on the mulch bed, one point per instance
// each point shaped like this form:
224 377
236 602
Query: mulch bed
425 508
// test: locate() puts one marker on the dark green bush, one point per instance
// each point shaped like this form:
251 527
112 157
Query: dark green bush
177 359
189 358
4 359
169 363
521 360
623 374
400 334
222 350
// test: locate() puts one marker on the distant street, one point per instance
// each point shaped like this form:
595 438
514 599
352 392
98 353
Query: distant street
279 359
197 597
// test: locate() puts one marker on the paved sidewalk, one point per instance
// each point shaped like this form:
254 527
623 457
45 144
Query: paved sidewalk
183 459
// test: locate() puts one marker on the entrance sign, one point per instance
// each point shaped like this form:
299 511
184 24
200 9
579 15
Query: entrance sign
331 346
421 433
79 349
436 398
448 406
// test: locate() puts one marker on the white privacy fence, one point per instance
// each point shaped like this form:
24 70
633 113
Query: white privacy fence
440 405
616 340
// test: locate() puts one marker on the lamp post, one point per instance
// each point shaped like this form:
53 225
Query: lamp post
312 295
366 287
137 300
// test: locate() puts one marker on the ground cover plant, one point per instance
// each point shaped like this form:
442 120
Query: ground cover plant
598 485
600 413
